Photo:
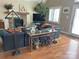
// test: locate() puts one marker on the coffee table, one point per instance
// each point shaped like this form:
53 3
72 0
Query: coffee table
37 35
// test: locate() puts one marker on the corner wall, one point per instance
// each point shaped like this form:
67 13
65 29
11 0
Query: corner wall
65 20
27 4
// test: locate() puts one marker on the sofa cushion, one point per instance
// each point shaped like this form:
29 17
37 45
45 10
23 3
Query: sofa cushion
14 30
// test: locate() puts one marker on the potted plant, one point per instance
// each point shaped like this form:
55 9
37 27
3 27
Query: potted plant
8 7
42 9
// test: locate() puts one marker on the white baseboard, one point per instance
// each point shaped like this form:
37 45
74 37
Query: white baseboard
69 34
65 33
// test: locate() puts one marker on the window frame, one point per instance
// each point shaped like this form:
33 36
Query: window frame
59 13
76 1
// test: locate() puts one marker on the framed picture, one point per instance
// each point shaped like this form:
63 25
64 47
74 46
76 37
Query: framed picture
21 8
66 10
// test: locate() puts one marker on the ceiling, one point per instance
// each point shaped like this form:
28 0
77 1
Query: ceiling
36 1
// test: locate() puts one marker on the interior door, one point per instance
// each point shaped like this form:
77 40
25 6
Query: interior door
75 24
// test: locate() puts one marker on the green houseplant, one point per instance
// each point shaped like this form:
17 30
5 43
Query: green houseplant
8 7
42 9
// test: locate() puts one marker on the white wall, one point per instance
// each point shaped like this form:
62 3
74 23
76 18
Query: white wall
26 3
65 20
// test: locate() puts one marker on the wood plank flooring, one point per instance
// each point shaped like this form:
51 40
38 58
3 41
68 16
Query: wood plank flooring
66 48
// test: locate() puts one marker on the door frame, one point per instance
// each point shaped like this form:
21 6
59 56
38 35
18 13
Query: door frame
72 20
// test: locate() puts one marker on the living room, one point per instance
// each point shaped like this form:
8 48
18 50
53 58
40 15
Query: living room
39 29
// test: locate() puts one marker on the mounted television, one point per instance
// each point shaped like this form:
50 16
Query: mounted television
37 18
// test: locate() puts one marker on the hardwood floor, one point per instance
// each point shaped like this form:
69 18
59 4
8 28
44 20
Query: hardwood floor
66 48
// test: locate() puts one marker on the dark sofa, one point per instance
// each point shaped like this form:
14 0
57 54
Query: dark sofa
13 40
46 39
20 39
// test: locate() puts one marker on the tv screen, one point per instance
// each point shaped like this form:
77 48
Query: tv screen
37 18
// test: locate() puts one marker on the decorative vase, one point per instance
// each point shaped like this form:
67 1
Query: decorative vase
33 30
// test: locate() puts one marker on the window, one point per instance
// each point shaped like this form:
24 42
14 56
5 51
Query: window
76 0
54 14
75 27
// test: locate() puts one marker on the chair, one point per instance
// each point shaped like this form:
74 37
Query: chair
44 40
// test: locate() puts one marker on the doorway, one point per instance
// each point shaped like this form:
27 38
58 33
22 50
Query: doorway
75 24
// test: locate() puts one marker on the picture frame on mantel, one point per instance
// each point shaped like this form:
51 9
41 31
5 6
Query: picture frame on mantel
66 10
21 8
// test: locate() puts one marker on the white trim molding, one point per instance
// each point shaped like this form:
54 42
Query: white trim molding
69 34
44 1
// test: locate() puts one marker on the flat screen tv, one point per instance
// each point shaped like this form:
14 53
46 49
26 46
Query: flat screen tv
37 18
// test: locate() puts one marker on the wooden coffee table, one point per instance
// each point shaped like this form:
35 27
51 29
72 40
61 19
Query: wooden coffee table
37 35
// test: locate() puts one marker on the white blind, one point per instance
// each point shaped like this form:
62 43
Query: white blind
54 14
75 28
76 0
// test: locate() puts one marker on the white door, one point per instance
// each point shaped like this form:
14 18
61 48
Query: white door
75 25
